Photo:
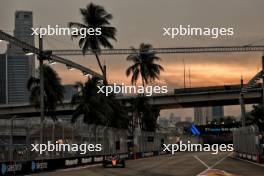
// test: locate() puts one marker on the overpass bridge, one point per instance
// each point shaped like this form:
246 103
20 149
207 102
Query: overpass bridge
203 97
181 98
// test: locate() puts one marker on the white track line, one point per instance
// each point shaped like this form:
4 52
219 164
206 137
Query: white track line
212 166
79 168
196 157
221 160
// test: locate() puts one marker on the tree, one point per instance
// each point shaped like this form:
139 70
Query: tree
120 118
147 114
144 65
95 17
256 117
91 105
53 90
97 108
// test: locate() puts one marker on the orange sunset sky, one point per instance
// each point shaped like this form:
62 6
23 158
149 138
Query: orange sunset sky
142 21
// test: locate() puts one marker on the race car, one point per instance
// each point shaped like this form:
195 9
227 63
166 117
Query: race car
114 161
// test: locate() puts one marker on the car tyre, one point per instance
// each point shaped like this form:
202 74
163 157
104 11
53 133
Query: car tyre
123 164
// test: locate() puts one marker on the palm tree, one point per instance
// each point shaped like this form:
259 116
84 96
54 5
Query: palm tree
256 116
97 108
95 16
53 90
92 105
147 114
144 65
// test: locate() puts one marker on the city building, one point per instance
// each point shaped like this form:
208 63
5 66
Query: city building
203 115
163 122
16 67
188 119
173 119
200 115
217 112
169 122
3 88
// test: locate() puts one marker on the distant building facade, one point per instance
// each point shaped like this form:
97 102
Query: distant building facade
188 119
163 122
16 68
169 122
3 74
217 112
173 119
203 115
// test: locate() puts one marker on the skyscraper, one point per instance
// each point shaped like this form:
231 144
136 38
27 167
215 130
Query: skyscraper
18 67
218 112
203 115
3 88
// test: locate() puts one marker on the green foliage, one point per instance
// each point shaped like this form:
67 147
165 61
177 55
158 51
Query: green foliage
146 113
95 16
53 90
97 108
256 117
144 65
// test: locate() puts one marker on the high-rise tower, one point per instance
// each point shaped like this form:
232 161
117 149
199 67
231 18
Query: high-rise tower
18 67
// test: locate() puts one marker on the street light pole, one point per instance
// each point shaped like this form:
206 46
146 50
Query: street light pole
42 115
242 104
11 145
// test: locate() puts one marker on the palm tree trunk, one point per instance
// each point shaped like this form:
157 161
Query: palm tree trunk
143 84
99 63
101 67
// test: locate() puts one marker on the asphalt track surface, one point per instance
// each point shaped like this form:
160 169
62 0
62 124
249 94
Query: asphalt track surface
180 164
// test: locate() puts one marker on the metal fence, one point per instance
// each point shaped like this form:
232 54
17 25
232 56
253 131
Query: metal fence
247 143
17 135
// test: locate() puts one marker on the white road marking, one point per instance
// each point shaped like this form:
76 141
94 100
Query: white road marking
220 160
212 166
78 168
196 157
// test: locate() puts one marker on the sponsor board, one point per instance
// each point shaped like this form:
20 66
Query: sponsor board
37 166
10 168
71 162
86 160
98 159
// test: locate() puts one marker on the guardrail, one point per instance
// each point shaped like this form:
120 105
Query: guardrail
35 166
